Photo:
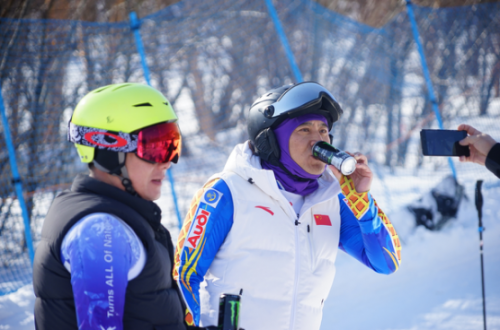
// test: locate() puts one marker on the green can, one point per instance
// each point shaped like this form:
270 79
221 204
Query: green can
229 311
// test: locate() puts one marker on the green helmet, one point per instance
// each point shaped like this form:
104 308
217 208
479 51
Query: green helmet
124 108
107 122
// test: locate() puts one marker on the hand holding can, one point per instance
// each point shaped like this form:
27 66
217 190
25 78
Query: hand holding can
328 154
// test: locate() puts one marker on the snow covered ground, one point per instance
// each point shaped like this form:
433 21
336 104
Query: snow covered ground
437 287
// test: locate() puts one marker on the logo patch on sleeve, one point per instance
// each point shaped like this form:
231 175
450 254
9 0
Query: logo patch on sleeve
322 220
197 228
211 197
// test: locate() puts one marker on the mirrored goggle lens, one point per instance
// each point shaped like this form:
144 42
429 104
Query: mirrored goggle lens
160 143
298 96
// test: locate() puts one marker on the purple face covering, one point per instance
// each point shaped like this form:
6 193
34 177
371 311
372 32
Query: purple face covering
283 133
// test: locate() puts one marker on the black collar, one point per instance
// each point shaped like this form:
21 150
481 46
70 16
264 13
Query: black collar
149 210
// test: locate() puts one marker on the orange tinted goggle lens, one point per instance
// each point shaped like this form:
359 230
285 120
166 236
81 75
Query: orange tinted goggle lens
160 143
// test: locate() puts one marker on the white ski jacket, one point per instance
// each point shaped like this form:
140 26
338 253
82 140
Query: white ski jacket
284 262
241 233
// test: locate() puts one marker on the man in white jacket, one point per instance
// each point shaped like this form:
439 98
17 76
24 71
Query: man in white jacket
271 223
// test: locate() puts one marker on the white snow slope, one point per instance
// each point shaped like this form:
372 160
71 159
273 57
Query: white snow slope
437 287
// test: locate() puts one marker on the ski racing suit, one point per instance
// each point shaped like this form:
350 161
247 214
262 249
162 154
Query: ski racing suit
242 233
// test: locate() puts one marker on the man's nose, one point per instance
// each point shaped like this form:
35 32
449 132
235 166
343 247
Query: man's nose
316 136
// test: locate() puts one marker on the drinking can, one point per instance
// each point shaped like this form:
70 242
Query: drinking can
327 153
229 311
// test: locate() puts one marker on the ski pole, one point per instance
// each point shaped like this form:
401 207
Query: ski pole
479 207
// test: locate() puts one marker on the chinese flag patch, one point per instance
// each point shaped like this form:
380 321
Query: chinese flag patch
322 220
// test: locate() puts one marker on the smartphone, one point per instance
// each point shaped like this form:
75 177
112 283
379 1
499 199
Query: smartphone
440 142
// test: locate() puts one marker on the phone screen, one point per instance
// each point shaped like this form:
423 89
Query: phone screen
439 142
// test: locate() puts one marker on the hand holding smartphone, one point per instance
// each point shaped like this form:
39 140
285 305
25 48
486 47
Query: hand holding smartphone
440 142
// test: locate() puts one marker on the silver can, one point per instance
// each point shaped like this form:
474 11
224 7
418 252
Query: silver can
327 153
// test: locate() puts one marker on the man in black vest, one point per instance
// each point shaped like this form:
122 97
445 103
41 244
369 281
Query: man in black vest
105 260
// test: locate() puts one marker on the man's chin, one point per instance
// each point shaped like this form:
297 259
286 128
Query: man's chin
316 170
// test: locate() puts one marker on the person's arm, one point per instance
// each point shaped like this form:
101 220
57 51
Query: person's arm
365 232
102 254
493 160
205 227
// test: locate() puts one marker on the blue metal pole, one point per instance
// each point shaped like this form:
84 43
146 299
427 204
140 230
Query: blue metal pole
16 179
425 69
135 25
174 196
284 40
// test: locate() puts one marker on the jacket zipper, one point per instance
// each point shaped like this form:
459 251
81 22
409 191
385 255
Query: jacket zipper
297 271
311 252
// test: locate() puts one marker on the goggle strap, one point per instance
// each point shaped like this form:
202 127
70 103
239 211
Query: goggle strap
102 139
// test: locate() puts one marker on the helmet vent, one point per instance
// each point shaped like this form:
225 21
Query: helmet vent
147 104
125 85
101 89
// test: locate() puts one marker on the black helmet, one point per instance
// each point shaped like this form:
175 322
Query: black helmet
288 101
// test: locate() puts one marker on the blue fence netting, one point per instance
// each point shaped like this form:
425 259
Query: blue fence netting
212 59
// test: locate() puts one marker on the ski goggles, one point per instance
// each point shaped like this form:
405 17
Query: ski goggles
299 97
159 143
